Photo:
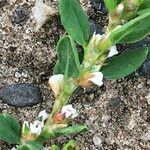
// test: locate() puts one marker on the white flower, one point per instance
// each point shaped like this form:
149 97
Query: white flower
69 111
36 127
56 82
14 148
43 115
113 51
96 78
41 13
120 8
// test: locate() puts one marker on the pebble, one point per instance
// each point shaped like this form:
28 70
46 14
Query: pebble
115 102
21 95
20 15
97 140
2 2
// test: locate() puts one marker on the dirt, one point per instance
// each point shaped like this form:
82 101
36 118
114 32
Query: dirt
117 113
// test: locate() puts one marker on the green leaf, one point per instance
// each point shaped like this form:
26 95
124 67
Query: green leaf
111 4
124 64
71 145
68 59
144 11
32 145
54 147
145 4
57 68
132 31
10 130
74 21
71 130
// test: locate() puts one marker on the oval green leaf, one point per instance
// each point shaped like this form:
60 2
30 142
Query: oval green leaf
124 64
68 59
10 130
74 21
71 130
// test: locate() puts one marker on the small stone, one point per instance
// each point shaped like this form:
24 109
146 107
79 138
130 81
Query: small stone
20 15
115 102
146 136
97 140
148 98
91 96
17 75
21 95
2 2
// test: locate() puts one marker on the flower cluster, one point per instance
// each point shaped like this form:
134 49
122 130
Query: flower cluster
33 130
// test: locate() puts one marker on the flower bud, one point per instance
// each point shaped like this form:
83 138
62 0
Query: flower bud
58 118
95 78
56 82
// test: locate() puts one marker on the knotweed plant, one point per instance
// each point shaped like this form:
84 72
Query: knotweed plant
129 22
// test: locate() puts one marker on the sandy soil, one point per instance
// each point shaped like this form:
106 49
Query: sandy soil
118 113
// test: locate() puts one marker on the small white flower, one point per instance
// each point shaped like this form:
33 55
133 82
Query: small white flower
113 51
41 13
69 111
56 82
43 115
36 127
96 78
14 148
120 8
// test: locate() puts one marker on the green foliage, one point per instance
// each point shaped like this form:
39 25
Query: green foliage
111 4
145 4
71 145
124 64
144 11
10 130
132 31
32 145
71 130
74 21
54 147
68 59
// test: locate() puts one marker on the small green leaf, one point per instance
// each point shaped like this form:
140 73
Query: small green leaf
74 21
54 147
10 130
124 64
71 130
132 31
71 145
68 59
32 145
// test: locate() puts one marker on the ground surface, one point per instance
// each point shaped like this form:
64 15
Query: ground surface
117 114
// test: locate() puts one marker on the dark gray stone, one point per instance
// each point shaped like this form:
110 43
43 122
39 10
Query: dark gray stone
2 2
21 95
115 103
20 15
